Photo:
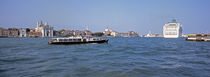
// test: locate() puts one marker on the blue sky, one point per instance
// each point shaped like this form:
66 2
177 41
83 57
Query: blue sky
120 15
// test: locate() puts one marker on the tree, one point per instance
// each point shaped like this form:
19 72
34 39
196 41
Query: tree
98 34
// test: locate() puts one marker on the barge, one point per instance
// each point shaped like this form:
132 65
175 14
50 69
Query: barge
198 37
77 40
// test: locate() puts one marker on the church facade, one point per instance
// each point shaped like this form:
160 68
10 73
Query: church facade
45 29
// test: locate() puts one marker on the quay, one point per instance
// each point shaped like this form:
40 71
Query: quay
198 37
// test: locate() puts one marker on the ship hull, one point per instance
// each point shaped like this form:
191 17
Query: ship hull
85 42
194 40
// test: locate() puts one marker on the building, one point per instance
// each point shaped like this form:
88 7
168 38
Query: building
149 34
153 35
78 33
13 32
124 34
68 33
1 31
172 29
113 33
33 33
45 29
22 32
158 35
4 32
107 32
87 32
64 33
133 34
184 35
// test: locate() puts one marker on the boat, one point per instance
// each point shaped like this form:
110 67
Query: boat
198 37
208 40
77 40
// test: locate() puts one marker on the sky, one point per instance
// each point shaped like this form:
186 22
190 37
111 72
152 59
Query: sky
120 15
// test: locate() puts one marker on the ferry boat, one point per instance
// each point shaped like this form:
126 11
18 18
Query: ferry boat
198 37
77 40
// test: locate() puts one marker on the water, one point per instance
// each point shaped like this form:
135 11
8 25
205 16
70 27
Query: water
121 57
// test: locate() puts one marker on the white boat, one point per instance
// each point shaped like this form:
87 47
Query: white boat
77 40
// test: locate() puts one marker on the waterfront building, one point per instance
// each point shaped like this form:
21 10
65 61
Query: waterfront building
140 35
87 32
133 34
4 32
172 29
45 29
13 32
124 34
1 31
56 33
68 33
153 35
113 33
158 35
65 33
22 32
150 34
184 35
33 33
107 32
78 33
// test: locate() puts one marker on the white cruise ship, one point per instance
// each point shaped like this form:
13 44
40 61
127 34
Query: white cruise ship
172 29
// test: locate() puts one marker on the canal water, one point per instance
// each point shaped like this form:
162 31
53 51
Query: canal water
121 57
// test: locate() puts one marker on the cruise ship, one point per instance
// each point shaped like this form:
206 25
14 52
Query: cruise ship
172 29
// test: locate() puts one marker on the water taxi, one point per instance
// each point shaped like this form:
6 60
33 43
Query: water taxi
198 37
77 40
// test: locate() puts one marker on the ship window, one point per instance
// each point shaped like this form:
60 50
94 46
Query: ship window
71 39
65 40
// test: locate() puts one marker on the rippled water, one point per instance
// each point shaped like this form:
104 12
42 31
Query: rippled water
121 57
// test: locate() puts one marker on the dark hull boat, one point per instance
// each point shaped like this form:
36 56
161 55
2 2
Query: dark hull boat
99 41
77 40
